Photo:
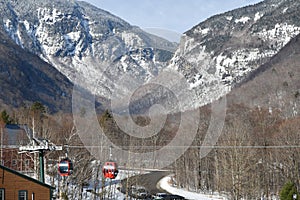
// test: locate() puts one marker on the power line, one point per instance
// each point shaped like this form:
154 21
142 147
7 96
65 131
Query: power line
196 146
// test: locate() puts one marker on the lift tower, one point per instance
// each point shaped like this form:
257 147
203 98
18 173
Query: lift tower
40 146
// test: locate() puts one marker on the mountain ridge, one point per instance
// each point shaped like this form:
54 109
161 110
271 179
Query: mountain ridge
80 40
96 52
25 79
219 52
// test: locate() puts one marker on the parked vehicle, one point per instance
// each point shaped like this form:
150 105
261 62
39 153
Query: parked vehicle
159 196
165 196
174 197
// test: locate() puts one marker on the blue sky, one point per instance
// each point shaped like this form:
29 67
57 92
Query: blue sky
175 16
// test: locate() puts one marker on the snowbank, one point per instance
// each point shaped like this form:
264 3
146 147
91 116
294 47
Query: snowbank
164 184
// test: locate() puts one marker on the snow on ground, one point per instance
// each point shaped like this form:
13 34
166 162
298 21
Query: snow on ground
165 185
111 187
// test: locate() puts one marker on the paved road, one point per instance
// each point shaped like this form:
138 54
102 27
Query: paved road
148 181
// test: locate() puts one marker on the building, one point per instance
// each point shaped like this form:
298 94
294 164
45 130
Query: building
12 137
15 186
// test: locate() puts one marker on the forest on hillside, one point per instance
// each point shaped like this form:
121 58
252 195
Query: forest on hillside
256 155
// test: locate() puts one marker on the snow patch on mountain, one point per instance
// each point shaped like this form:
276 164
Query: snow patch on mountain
131 40
242 20
27 26
49 16
229 18
284 10
15 33
257 16
280 35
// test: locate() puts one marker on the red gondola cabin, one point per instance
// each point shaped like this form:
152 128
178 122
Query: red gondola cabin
110 170
65 167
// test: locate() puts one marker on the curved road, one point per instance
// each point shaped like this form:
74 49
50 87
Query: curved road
148 181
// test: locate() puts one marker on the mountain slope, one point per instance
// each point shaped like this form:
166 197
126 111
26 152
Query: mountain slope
25 78
274 85
78 38
218 53
96 49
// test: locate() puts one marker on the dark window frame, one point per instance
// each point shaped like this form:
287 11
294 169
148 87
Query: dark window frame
21 192
14 162
27 162
2 190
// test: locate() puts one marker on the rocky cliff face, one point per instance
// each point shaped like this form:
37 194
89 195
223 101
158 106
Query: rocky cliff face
218 53
78 39
274 85
97 49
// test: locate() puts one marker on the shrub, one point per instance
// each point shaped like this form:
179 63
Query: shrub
288 191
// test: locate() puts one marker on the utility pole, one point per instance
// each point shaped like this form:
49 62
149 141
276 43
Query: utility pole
2 132
110 152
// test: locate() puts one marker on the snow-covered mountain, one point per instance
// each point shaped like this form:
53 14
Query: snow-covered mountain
274 85
218 53
78 38
96 48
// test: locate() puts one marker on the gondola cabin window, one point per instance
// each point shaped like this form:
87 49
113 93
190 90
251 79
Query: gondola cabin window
65 167
110 170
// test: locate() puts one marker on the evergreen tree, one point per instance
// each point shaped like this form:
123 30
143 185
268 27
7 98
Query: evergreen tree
105 117
288 191
5 117
38 107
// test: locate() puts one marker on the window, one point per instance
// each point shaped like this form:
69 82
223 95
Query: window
23 195
14 162
2 193
27 162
